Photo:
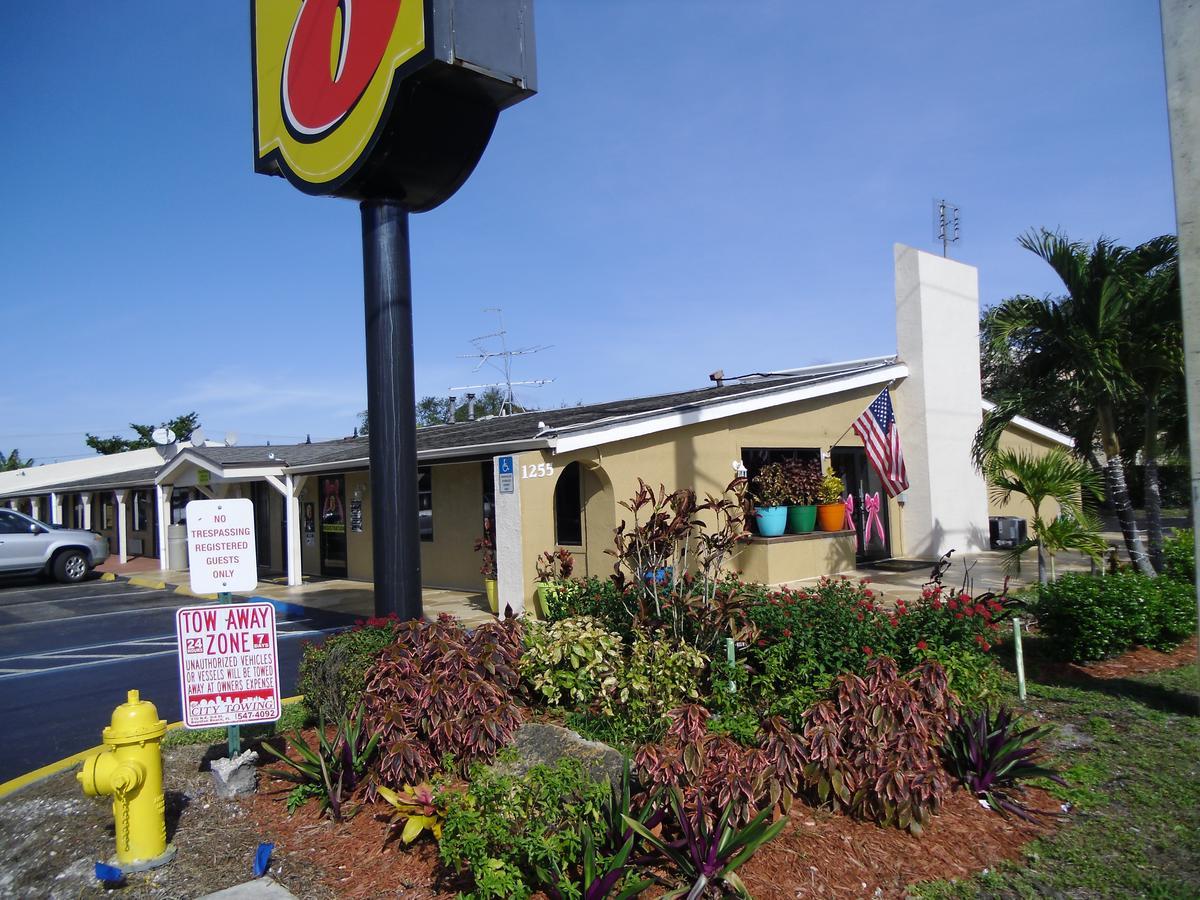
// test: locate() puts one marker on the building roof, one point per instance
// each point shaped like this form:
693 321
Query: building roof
562 429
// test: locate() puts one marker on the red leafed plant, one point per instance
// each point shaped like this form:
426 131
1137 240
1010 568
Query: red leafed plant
874 748
713 771
440 690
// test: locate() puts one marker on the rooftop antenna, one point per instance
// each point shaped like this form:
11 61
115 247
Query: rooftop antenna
501 361
945 224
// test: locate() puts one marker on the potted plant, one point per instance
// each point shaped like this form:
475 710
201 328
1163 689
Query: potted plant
831 508
487 546
804 480
553 567
770 500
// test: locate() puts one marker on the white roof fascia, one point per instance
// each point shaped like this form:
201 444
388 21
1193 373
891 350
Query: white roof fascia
447 453
34 478
235 472
1034 428
625 427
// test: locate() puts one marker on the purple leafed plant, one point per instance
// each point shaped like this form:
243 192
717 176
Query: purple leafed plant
991 757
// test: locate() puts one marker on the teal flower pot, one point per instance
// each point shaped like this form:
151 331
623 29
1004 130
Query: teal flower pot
801 519
772 520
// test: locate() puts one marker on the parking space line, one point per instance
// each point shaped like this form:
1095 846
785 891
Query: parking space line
115 612
103 596
10 674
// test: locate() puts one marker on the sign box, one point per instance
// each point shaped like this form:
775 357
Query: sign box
228 664
222 556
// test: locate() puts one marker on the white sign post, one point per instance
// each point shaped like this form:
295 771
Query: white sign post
222 556
228 664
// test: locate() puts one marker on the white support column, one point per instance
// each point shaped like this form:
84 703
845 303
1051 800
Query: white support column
510 570
12 504
939 406
122 498
294 485
35 507
162 506
87 512
56 511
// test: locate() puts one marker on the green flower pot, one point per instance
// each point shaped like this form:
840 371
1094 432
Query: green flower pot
801 519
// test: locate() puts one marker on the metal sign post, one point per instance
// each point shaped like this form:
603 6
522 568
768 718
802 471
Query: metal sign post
393 107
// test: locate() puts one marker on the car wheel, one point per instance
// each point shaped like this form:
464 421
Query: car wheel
70 566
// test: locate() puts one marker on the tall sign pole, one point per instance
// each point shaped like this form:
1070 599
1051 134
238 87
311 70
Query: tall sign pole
391 103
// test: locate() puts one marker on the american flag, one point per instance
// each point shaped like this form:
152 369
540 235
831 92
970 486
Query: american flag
877 428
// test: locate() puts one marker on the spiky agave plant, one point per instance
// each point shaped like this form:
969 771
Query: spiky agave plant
707 856
992 756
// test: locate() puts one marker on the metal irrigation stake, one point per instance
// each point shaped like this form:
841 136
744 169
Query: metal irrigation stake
1020 657
730 657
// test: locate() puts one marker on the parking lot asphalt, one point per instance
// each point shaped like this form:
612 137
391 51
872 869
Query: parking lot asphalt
69 654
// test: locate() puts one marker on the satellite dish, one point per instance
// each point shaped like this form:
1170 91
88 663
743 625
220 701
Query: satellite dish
163 436
231 438
198 437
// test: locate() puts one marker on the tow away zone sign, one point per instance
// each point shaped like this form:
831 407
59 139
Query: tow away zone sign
228 664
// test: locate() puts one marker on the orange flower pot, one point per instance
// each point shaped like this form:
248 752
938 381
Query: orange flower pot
831 516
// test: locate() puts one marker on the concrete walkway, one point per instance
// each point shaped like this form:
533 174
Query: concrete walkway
353 599
984 571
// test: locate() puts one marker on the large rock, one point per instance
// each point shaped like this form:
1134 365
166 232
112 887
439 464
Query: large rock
538 744
237 776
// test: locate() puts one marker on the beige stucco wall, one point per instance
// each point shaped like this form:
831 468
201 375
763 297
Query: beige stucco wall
698 456
450 560
791 559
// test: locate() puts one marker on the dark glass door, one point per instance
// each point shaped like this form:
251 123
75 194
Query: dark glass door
333 525
260 495
851 465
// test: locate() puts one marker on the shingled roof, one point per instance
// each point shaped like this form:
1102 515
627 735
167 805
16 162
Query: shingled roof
487 436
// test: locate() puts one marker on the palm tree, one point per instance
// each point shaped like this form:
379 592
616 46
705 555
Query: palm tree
1057 476
1153 355
1076 344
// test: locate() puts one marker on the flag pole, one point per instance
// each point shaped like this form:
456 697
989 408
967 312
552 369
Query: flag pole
886 387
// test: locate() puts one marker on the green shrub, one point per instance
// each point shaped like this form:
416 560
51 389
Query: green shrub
1179 554
600 599
973 675
572 662
1088 617
333 674
808 637
509 833
659 676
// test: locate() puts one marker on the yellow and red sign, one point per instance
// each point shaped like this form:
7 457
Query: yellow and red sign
324 78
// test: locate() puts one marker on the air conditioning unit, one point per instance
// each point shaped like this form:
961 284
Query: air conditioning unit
135 546
1007 532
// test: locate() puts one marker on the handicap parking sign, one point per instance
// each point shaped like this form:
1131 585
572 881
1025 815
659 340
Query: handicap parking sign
505 466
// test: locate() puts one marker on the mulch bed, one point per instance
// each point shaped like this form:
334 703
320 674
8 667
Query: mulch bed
819 854
1139 661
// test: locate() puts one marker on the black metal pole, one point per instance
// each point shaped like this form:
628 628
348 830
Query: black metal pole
391 412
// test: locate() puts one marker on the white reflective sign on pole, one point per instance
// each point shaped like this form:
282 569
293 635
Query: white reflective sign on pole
228 664
221 553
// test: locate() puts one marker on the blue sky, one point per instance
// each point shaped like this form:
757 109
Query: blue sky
698 185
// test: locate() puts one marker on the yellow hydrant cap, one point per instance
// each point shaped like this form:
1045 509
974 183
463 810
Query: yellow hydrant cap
134 720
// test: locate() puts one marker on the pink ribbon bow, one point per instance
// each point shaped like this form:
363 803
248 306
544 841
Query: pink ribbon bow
849 523
871 504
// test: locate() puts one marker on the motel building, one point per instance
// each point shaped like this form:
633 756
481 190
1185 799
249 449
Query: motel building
572 467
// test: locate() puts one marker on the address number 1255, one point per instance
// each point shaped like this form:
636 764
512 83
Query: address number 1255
541 470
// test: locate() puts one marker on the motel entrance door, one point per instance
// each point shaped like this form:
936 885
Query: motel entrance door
851 465
332 522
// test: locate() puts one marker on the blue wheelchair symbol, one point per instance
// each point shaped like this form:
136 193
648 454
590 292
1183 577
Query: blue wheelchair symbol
506 465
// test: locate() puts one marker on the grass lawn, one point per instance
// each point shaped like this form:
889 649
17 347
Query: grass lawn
1130 750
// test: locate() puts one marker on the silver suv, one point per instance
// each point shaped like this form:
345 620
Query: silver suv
30 546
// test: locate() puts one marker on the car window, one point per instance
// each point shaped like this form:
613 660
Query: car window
11 523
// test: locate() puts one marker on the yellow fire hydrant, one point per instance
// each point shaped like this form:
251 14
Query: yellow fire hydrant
130 771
